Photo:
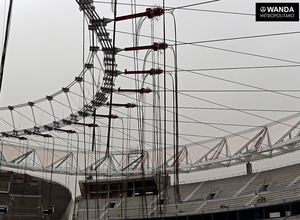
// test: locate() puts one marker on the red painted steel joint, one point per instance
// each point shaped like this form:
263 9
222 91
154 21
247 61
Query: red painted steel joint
155 71
154 12
159 46
143 90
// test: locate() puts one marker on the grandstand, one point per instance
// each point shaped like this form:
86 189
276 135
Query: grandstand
261 195
27 197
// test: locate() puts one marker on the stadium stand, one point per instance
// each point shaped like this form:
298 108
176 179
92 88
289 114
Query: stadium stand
262 195
26 197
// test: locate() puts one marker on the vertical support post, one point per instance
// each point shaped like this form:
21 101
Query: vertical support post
34 154
11 190
133 185
40 194
249 168
108 189
284 201
11 108
227 214
255 212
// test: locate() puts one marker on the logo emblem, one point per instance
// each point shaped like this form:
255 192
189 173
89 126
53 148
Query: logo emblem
263 9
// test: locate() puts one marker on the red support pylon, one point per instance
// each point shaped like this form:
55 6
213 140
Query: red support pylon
20 138
67 131
106 116
151 72
155 47
150 13
127 105
142 90
88 125
43 135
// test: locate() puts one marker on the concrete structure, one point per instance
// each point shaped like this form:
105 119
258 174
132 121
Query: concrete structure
27 197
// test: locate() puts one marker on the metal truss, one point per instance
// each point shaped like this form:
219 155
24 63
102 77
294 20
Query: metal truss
258 145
